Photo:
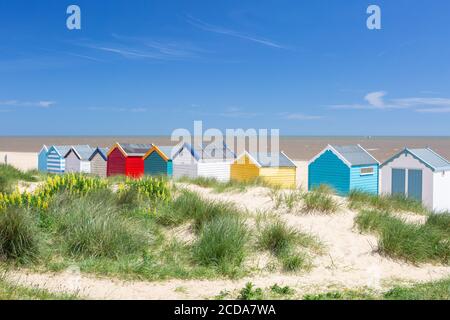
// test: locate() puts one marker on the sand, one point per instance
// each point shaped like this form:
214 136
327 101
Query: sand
21 160
350 261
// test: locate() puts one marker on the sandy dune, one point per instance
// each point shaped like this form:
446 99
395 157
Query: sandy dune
350 261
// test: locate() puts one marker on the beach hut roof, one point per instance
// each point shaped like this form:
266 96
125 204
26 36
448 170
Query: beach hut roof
352 155
268 159
227 153
83 152
195 152
428 157
103 152
166 152
61 150
132 149
44 148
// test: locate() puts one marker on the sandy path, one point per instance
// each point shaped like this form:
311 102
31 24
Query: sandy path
350 262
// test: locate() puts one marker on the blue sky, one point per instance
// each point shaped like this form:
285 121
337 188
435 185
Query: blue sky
148 67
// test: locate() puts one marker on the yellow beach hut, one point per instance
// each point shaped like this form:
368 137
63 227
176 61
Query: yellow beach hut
273 168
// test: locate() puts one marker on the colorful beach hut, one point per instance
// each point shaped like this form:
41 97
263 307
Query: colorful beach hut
98 161
421 174
196 162
127 159
77 159
56 162
42 159
274 168
344 168
158 161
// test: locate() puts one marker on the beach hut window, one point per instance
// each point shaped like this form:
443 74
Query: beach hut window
366 171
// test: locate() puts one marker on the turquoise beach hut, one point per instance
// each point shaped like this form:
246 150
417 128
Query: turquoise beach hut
158 161
42 159
344 168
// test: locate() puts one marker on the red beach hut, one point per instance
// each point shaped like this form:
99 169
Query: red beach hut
127 159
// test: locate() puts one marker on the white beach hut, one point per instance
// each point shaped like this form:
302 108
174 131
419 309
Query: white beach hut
77 159
198 162
421 174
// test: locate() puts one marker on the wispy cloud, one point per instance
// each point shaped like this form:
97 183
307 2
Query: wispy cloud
17 103
221 30
143 48
299 116
376 101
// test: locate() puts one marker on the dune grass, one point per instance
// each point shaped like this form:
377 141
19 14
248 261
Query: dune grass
121 234
10 291
189 206
361 200
20 237
222 243
320 200
94 227
284 243
415 243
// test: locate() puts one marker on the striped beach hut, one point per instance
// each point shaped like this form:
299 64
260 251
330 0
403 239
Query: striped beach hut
420 174
344 168
158 161
197 162
274 168
77 159
127 159
98 161
56 162
42 159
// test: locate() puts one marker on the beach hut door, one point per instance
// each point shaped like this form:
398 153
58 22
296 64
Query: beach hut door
415 184
398 181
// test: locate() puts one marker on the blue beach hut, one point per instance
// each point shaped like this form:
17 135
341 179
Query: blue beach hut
344 168
42 159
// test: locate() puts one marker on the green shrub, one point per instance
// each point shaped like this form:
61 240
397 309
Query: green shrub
293 262
19 235
437 290
148 188
221 243
249 292
286 290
